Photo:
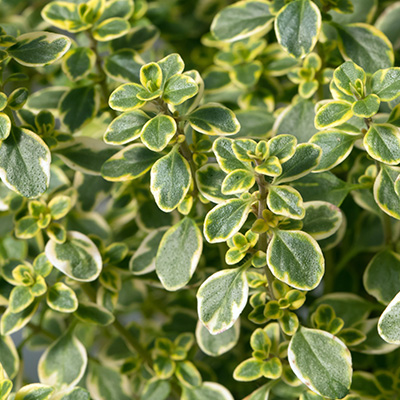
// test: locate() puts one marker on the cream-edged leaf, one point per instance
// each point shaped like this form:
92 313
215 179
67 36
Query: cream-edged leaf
63 364
78 257
216 345
25 163
221 299
178 254
295 258
226 219
170 179
321 361
36 49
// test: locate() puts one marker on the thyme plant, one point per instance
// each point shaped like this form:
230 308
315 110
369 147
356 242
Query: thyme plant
199 200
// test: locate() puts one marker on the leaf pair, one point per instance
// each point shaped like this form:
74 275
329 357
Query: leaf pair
163 80
246 18
107 20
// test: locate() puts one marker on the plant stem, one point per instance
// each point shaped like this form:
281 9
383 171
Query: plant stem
187 153
103 77
262 239
133 342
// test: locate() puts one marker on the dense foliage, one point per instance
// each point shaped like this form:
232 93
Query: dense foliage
199 200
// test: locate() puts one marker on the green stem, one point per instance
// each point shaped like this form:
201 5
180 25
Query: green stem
133 342
105 92
187 153
262 239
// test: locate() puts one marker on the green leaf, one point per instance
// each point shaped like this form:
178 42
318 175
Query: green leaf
248 370
304 19
143 260
367 107
130 163
295 258
336 146
5 388
170 180
178 254
151 76
241 20
322 219
238 181
78 106
5 126
171 65
270 167
226 157
156 389
21 297
108 383
123 98
117 9
37 49
322 362
207 391
216 345
286 201
333 113
3 101
17 98
209 180
111 28
214 119
62 298
349 77
357 40
85 154
46 99
92 313
179 88
78 257
221 299
246 75
382 143
64 15
282 146
226 219
164 367
385 83
78 63
59 206
34 391
304 160
387 23
25 163
388 325
26 227
384 191
244 149
11 322
157 132
63 364
298 119
188 374
139 38
323 186
189 105
382 276
9 358
123 65
76 393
